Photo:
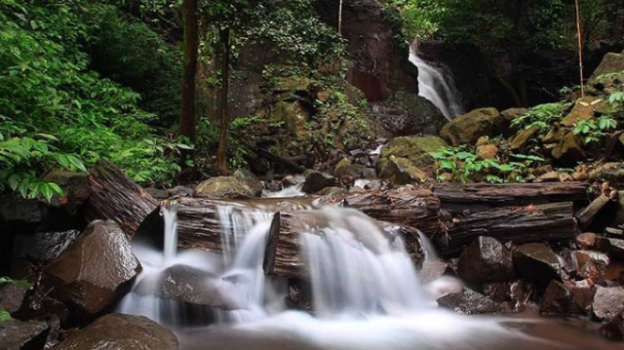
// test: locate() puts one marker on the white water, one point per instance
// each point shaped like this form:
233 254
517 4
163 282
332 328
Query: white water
365 289
437 86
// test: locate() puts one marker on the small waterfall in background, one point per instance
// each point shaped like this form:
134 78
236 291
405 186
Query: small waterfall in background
437 86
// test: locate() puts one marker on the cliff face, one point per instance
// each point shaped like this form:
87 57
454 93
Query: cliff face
379 64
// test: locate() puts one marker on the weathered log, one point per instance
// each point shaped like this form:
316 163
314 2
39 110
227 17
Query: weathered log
533 223
417 208
477 197
599 213
285 257
114 196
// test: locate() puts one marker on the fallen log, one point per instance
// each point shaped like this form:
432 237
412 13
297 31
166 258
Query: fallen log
114 196
533 223
417 208
599 213
476 197
285 255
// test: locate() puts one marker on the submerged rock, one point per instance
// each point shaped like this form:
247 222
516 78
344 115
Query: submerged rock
608 302
471 303
537 262
223 187
485 260
469 127
95 270
121 332
16 335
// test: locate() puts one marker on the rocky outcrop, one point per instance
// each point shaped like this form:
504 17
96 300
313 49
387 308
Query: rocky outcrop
117 331
95 270
473 125
611 63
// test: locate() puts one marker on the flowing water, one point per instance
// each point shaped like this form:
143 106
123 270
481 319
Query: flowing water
366 292
436 84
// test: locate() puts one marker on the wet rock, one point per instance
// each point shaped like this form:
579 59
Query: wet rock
400 171
611 63
223 187
316 181
583 109
43 247
523 138
608 302
12 297
117 331
188 285
95 270
614 329
293 180
248 179
613 246
583 292
559 300
346 169
16 335
407 114
485 260
537 262
499 292
610 172
569 150
592 265
471 303
469 127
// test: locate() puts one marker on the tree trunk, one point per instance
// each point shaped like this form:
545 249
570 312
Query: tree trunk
580 47
414 208
223 101
283 257
477 197
191 46
113 196
533 223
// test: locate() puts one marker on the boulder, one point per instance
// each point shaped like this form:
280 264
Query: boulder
469 127
537 262
509 115
586 240
523 138
95 270
316 181
592 265
614 329
21 215
43 247
569 151
223 187
608 302
16 335
559 300
485 260
613 246
248 179
12 297
584 109
407 114
471 303
400 171
121 332
611 63
414 148
346 169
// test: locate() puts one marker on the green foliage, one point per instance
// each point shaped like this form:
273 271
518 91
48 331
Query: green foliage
23 283
4 315
593 130
541 116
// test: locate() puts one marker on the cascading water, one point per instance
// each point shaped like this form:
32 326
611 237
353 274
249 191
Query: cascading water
365 291
436 86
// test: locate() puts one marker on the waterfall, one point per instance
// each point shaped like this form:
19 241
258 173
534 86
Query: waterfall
437 86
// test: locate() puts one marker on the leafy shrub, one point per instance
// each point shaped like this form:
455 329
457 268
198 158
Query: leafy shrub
541 116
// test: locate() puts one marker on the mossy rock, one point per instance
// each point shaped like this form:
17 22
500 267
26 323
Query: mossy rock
223 187
400 171
293 114
469 127
584 109
294 84
414 148
569 150
523 138
345 168
611 63
248 179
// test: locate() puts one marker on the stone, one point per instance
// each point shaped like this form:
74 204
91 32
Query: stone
470 303
555 135
614 329
316 181
610 172
407 113
559 300
21 215
580 175
43 247
586 240
223 187
16 335
415 149
583 109
523 138
469 127
180 191
619 215
95 270
611 63
591 265
569 151
613 246
485 260
499 292
551 176
608 302
537 262
487 151
346 169
248 179
12 297
121 332
511 114
583 292
400 171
